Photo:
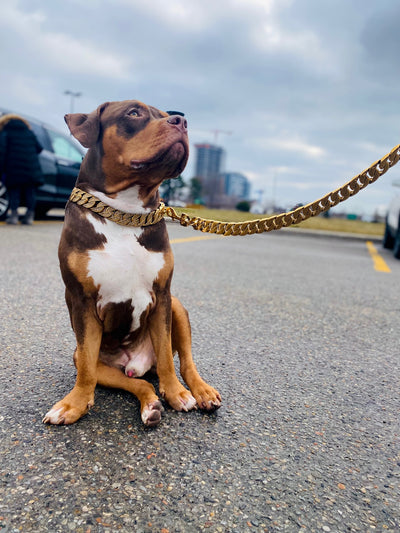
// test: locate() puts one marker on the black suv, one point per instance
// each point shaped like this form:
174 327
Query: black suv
60 160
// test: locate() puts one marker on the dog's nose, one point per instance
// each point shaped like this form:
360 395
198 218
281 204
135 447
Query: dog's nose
178 121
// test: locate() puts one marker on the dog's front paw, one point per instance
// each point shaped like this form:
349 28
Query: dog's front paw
178 397
207 397
68 410
151 413
186 402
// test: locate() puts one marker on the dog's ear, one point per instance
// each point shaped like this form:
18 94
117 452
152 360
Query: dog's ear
85 127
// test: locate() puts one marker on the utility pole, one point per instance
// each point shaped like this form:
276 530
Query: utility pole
72 95
274 185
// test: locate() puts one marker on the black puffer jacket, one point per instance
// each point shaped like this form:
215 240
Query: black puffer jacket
19 149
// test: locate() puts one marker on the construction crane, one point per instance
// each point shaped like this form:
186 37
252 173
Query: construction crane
216 133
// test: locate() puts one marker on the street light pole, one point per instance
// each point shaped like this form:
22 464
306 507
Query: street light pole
274 183
72 95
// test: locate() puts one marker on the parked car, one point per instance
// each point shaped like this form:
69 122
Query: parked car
391 238
60 160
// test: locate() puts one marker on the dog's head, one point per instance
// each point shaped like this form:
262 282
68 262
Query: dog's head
131 143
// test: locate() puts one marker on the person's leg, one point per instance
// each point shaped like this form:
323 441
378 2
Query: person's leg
14 199
30 200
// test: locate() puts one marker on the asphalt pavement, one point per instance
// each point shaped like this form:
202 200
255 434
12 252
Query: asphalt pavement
301 338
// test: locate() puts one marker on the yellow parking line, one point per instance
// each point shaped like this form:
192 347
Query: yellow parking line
379 263
190 239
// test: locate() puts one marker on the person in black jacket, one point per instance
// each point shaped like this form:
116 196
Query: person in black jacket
20 168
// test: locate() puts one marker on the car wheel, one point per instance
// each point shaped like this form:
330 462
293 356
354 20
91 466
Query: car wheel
396 247
4 202
388 240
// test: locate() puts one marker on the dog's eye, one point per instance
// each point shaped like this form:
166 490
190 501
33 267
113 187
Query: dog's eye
133 113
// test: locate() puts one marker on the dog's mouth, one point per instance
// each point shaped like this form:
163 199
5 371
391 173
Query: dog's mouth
173 160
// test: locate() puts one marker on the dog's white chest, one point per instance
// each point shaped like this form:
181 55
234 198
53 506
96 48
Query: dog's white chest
123 269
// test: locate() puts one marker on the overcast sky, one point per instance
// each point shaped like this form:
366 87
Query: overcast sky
309 89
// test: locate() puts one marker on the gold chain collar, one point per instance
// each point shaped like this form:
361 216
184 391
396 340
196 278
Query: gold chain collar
93 203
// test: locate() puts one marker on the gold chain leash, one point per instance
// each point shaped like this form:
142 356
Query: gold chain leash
284 220
248 227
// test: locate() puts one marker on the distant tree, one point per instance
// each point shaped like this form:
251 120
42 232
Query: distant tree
169 188
244 205
195 189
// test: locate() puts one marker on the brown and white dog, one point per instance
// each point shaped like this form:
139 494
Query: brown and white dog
118 278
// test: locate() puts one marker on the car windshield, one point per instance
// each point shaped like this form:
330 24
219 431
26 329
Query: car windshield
64 148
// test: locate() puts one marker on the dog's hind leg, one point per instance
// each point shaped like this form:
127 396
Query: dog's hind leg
150 405
206 396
